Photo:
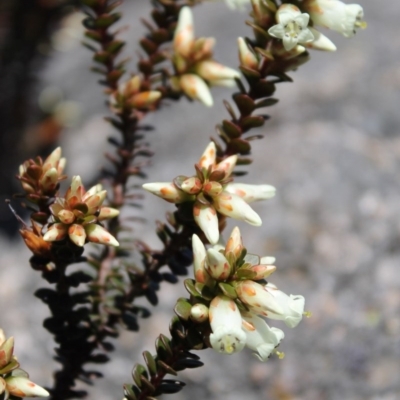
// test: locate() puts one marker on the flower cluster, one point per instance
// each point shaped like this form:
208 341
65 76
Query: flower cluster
77 216
194 67
230 292
40 178
292 25
211 191
14 381
131 96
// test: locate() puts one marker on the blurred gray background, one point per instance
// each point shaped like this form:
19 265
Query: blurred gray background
332 150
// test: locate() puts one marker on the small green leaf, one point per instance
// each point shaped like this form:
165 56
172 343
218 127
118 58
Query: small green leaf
190 287
150 362
182 308
266 102
231 129
245 103
166 367
228 290
248 123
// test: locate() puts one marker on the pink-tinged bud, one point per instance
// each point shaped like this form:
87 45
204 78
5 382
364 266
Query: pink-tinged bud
292 307
227 165
250 193
107 213
260 337
52 160
145 99
97 234
6 351
49 180
263 12
55 232
168 191
202 48
61 165
262 271
20 386
211 70
192 185
320 42
212 189
247 58
27 187
66 216
257 298
206 218
132 86
209 156
184 33
95 201
226 324
199 261
75 190
217 265
195 88
93 190
235 207
199 313
234 244
77 234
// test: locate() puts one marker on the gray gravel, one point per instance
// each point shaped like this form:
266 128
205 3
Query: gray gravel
332 150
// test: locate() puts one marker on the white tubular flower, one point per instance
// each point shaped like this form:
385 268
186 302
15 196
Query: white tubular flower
250 193
292 306
291 27
228 336
258 298
320 42
260 337
336 15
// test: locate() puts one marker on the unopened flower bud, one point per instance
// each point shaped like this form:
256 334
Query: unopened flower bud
21 386
247 58
199 313
217 265
191 185
212 189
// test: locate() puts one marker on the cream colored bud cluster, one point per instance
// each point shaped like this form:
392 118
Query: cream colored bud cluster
14 381
78 214
40 178
238 297
130 95
195 69
212 192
